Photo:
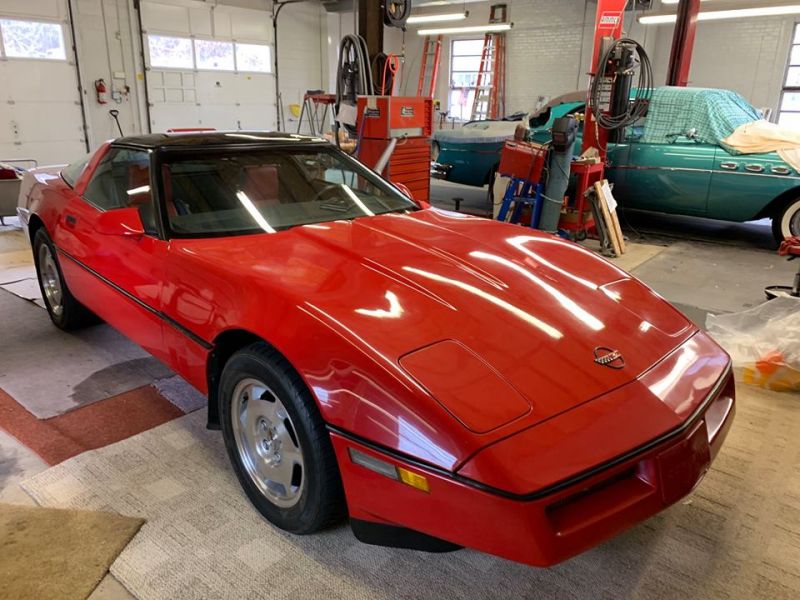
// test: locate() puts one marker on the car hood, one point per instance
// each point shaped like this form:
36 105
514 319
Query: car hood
527 309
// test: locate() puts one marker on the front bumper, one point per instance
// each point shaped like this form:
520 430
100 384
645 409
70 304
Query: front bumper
543 529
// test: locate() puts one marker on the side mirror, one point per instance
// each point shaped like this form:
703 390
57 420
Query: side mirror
120 221
691 133
407 192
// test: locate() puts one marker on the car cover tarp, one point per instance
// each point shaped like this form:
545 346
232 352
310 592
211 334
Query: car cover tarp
714 114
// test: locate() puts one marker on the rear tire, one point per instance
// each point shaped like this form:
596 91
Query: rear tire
786 223
64 310
277 442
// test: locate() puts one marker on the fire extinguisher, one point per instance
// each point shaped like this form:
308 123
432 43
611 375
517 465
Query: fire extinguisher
101 91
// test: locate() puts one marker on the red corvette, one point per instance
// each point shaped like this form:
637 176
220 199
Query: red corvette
443 380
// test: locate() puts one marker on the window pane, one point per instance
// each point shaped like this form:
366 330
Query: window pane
790 101
793 77
460 105
466 63
797 34
467 47
463 79
794 57
170 52
253 57
790 120
214 55
73 171
33 39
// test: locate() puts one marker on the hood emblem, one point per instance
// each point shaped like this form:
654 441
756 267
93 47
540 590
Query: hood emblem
608 357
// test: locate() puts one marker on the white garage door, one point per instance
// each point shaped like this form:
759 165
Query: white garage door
208 67
40 112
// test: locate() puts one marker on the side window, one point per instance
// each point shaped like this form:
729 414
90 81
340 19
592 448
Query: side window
122 179
72 171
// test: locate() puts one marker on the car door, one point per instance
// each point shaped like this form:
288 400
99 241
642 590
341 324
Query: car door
120 276
666 177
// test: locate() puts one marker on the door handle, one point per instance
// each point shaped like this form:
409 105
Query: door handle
754 168
71 220
781 170
729 166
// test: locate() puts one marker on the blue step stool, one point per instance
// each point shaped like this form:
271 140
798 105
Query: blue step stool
521 193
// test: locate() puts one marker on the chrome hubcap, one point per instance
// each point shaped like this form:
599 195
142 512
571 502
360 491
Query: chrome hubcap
267 443
51 282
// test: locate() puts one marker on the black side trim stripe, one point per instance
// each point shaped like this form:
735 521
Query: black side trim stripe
170 321
556 487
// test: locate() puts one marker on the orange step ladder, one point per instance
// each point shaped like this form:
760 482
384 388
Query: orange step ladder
429 69
490 87
489 101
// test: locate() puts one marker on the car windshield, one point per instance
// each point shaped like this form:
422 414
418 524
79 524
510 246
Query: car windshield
233 192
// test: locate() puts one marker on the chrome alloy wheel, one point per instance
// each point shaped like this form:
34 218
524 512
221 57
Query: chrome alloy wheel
51 282
267 443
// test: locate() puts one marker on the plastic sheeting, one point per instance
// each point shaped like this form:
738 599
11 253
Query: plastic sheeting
762 136
481 132
764 342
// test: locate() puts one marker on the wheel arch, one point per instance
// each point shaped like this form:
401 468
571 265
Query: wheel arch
35 223
773 208
225 345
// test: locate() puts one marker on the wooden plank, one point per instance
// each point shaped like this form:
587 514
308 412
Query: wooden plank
606 197
604 211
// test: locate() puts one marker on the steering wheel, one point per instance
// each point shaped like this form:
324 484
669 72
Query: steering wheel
329 187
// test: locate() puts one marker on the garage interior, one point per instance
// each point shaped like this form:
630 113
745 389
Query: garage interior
93 425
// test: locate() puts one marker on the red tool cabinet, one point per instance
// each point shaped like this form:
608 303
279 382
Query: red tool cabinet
410 121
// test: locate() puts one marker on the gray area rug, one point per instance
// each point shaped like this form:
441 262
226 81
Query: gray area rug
178 391
81 367
737 536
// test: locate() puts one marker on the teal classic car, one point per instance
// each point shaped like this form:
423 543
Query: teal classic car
676 160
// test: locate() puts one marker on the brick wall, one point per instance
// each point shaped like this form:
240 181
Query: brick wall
548 52
745 55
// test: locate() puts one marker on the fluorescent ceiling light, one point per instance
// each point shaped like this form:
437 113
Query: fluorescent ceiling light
435 18
474 29
736 13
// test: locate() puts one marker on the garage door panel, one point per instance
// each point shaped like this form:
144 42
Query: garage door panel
32 127
245 27
257 117
172 116
208 92
254 88
165 18
219 116
47 153
26 80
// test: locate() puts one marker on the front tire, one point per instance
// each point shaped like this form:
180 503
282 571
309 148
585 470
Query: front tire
787 222
277 442
64 310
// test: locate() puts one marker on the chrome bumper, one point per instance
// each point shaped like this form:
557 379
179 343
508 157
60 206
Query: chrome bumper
439 170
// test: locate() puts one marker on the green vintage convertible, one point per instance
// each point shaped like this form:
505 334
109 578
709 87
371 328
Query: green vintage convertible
674 161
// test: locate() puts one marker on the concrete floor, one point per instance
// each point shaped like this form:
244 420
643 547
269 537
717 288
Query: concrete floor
698 265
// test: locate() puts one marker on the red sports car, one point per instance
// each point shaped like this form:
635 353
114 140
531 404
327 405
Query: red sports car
443 380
